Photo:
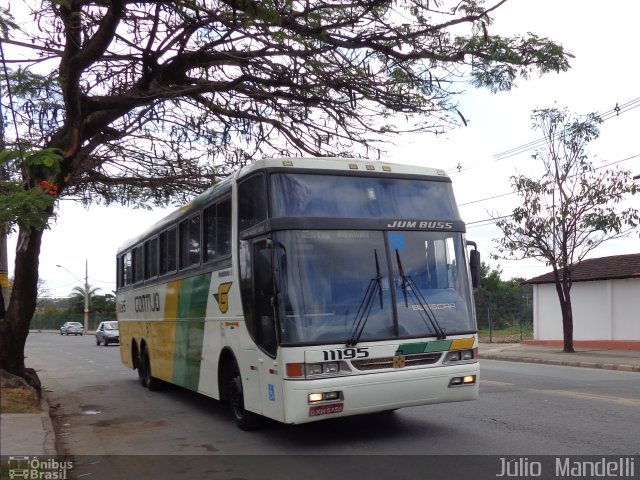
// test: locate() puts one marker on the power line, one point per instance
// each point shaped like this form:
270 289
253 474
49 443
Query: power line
490 221
614 112
102 281
485 199
513 192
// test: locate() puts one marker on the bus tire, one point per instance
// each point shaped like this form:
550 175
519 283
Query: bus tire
144 373
141 374
244 419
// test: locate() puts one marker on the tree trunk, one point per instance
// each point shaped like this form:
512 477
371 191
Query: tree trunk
563 289
14 328
567 324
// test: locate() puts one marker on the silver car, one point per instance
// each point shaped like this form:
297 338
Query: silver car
107 332
72 328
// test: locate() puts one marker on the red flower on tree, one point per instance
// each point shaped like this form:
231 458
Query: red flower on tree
50 187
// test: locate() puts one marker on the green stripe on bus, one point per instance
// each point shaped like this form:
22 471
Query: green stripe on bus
423 347
192 308
411 348
438 346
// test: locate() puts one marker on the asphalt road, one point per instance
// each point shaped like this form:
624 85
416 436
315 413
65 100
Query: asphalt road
101 411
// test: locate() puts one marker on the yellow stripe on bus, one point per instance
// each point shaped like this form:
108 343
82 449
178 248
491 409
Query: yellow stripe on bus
462 343
163 334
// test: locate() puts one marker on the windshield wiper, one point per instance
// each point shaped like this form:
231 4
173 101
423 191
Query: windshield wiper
362 315
409 285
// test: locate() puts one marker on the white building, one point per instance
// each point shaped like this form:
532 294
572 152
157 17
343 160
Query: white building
605 297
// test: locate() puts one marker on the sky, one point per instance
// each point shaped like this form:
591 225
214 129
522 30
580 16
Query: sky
603 36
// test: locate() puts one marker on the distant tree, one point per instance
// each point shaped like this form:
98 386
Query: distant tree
571 210
503 302
142 102
76 299
105 304
490 277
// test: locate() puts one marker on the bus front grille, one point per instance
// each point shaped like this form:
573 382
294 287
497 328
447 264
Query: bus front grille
388 362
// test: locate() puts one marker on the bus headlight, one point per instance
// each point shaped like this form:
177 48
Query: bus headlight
331 367
326 369
314 369
462 381
460 356
324 397
317 370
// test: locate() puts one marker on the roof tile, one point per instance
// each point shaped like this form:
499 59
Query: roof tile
603 268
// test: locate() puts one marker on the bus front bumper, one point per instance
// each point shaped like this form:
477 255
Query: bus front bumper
377 392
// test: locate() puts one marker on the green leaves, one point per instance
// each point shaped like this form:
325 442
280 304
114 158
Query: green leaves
46 161
29 203
575 206
187 91
6 22
25 207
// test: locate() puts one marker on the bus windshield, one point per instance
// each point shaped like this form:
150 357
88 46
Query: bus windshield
323 277
305 195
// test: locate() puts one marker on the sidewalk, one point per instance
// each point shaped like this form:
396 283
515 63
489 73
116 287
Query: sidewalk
623 360
23 434
33 434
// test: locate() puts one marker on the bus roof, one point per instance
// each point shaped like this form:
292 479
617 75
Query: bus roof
341 164
330 164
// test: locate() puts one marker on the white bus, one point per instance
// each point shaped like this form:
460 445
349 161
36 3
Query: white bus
304 289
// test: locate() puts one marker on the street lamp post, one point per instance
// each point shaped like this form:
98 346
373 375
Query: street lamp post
86 291
86 295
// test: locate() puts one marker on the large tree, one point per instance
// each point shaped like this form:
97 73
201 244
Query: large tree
141 102
572 209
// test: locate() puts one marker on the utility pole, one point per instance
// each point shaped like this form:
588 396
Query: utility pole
85 290
86 296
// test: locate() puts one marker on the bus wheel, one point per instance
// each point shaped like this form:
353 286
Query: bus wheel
244 419
141 374
144 373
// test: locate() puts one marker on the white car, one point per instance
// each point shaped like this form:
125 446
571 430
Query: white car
107 332
72 328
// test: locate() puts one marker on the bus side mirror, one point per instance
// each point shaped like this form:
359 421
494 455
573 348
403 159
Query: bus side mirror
474 266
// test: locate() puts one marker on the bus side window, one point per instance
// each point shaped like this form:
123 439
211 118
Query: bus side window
138 264
217 231
223 224
151 258
190 242
127 268
258 293
252 202
120 270
168 251
210 232
263 291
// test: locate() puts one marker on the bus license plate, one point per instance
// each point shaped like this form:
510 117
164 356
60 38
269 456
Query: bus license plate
325 409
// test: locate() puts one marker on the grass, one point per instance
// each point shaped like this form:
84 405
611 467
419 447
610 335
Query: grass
18 400
16 396
506 335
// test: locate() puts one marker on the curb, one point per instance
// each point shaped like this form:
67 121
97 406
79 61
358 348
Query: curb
564 363
49 441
